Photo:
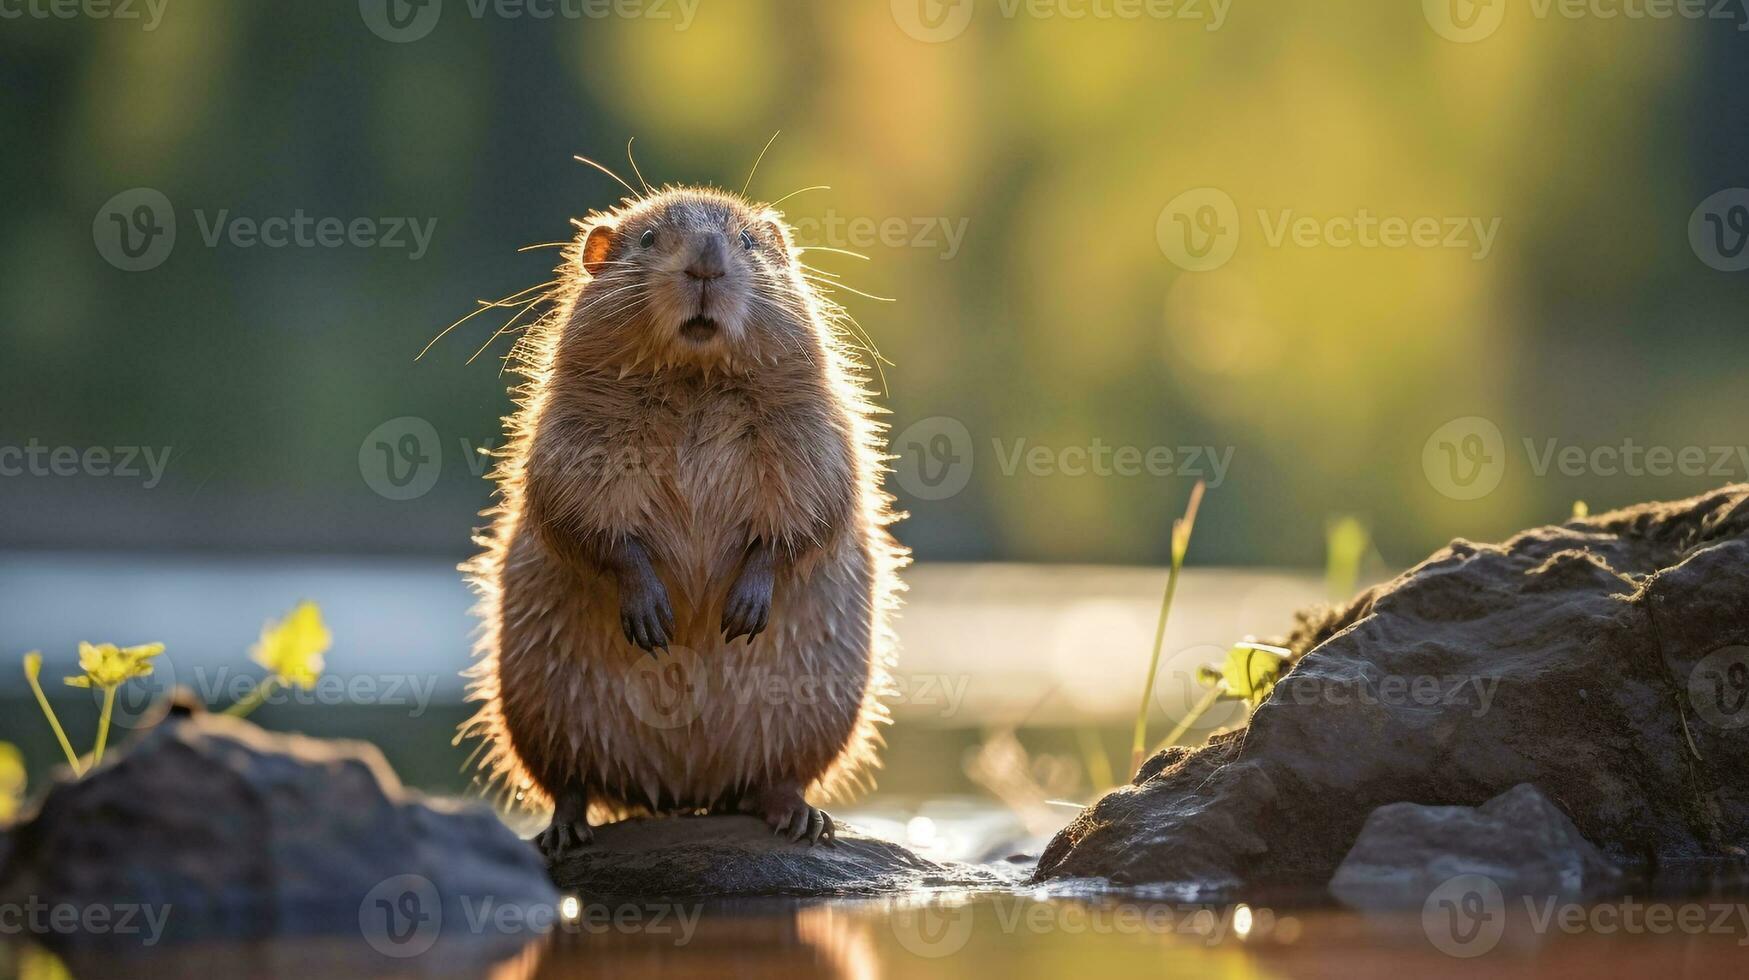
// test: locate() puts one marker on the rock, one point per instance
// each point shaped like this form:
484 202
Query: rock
1605 661
1519 840
737 857
239 832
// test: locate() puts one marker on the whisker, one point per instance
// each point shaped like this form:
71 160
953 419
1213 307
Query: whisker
629 188
757 162
507 325
849 289
835 251
816 187
484 306
634 162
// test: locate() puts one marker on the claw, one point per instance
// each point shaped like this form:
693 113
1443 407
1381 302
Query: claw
563 837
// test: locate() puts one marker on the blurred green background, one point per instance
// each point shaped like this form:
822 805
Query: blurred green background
1047 148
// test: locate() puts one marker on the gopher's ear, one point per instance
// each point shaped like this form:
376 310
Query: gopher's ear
595 247
775 230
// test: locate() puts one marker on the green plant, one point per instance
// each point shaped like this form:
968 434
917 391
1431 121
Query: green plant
1250 672
1346 542
12 782
291 650
1181 531
107 667
33 668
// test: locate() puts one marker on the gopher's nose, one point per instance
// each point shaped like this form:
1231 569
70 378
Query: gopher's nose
708 262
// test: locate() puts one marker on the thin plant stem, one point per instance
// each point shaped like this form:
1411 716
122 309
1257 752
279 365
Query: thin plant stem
55 723
103 725
1202 708
1181 531
254 698
1140 743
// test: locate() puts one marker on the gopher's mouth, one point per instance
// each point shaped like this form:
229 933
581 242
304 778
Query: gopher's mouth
699 329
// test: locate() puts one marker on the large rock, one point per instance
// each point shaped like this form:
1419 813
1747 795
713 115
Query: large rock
229 830
1518 840
737 857
1603 661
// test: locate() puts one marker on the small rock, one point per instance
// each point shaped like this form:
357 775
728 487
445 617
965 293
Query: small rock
231 831
1519 840
738 856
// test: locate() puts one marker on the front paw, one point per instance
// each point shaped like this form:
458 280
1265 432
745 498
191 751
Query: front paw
748 608
645 615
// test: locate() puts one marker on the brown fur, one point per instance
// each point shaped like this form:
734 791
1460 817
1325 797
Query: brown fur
624 428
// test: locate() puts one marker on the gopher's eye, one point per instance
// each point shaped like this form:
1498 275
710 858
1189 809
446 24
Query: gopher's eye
746 240
648 238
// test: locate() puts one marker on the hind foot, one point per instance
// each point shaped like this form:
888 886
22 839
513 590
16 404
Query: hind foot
564 838
790 816
570 831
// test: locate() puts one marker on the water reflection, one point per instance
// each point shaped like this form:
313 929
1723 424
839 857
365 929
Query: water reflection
1010 934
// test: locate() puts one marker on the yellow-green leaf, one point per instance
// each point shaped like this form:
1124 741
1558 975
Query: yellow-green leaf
1252 669
292 648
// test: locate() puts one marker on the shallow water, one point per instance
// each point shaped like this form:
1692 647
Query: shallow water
1020 934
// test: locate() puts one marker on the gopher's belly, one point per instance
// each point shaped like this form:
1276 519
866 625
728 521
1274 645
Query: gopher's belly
703 722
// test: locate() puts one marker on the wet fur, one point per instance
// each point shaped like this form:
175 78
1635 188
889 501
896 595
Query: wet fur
621 429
